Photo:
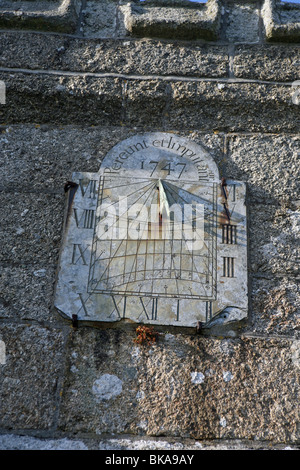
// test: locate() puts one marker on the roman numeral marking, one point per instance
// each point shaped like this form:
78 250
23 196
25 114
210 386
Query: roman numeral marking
117 307
88 190
154 309
229 234
79 254
83 305
86 219
228 267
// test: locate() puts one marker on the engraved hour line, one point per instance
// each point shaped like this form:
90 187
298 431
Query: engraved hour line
134 263
144 270
153 185
210 252
111 258
117 308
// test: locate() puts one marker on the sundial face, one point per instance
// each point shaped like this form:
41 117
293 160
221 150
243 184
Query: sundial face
154 237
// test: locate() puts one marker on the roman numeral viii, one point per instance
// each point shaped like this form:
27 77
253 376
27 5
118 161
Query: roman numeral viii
85 218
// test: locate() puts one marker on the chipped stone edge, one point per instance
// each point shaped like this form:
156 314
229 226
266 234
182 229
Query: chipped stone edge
60 19
206 27
275 30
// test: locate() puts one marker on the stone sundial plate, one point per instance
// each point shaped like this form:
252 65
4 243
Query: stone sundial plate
154 237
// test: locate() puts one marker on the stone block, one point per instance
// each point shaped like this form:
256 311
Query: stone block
268 62
160 395
269 165
242 22
281 21
27 292
137 57
232 106
43 157
30 378
31 228
275 305
146 103
74 99
179 22
99 19
60 15
274 247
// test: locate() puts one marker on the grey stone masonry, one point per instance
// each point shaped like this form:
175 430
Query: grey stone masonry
81 83
234 21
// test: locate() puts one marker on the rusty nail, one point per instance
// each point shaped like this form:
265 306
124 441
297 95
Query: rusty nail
223 184
199 326
69 185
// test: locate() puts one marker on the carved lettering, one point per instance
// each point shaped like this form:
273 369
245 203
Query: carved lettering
78 254
88 189
85 219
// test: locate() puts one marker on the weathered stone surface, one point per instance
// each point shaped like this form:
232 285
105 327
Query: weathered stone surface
57 15
145 57
65 99
27 292
281 21
243 107
106 274
160 398
15 442
180 23
99 19
269 164
43 157
18 442
242 22
267 62
275 305
91 100
31 376
32 228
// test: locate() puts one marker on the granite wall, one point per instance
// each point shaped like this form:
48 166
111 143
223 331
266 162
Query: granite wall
79 78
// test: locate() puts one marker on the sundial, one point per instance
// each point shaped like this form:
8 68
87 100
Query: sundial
154 237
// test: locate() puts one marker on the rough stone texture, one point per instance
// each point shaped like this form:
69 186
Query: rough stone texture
243 395
27 292
281 21
60 15
15 442
70 98
99 19
242 22
31 376
271 63
147 57
77 99
247 102
32 230
180 23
